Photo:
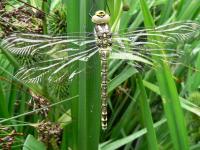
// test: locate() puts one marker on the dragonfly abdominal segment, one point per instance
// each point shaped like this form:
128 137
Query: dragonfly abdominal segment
104 42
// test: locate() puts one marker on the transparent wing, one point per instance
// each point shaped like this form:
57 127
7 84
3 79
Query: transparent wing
46 57
163 42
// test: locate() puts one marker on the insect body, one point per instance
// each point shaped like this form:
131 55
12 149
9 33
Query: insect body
104 42
46 57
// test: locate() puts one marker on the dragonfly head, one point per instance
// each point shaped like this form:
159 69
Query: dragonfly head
100 17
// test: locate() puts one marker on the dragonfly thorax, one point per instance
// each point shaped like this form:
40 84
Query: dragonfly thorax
103 35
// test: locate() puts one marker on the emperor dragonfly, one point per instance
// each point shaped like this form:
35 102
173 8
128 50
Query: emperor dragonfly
47 57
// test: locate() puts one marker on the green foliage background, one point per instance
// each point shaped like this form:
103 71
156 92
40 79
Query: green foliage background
157 109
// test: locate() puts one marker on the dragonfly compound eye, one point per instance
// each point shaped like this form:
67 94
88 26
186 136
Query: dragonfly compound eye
100 13
100 17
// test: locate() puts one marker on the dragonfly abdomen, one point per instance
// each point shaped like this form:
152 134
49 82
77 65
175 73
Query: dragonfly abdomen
104 53
104 44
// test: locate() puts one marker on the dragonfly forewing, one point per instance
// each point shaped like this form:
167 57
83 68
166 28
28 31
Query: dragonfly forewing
161 42
45 56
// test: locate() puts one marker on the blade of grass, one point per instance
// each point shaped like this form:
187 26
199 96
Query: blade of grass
32 143
169 93
181 5
3 103
120 142
187 105
12 60
124 120
12 97
68 133
146 115
190 11
93 79
166 11
24 98
89 101
73 25
123 76
13 93
86 110
45 8
82 110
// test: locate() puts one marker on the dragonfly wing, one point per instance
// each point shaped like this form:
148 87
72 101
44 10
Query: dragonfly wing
48 57
161 42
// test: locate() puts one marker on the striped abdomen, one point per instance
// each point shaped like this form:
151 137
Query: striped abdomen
104 53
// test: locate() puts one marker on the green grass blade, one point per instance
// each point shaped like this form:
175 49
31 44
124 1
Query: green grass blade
187 105
89 101
120 142
12 97
169 94
3 103
192 8
82 110
73 25
45 8
166 10
123 76
93 79
10 58
32 143
146 115
86 111
13 93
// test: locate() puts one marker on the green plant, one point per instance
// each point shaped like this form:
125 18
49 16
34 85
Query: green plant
131 90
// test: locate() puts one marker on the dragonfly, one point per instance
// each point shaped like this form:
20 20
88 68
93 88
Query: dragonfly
49 57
